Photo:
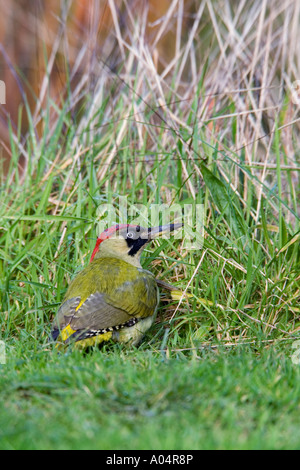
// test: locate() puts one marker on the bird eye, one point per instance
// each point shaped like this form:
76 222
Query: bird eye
130 235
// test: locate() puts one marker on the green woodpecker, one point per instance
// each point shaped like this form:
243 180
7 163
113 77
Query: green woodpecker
113 297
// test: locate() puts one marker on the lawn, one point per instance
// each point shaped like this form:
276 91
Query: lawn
142 399
216 129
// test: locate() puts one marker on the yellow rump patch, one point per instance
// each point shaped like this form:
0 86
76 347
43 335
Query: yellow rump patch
84 343
93 341
66 333
78 307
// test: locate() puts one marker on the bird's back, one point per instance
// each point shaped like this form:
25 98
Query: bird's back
117 300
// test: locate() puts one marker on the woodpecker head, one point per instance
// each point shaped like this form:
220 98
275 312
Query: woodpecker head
127 241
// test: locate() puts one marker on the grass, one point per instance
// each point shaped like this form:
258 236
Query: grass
215 371
142 400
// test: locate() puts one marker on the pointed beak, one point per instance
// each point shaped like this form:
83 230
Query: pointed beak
154 232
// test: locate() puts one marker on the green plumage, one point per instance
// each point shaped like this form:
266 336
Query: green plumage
113 297
111 293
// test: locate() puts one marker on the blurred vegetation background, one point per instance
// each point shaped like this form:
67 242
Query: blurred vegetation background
47 46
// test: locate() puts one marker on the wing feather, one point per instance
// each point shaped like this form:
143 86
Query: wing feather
107 309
